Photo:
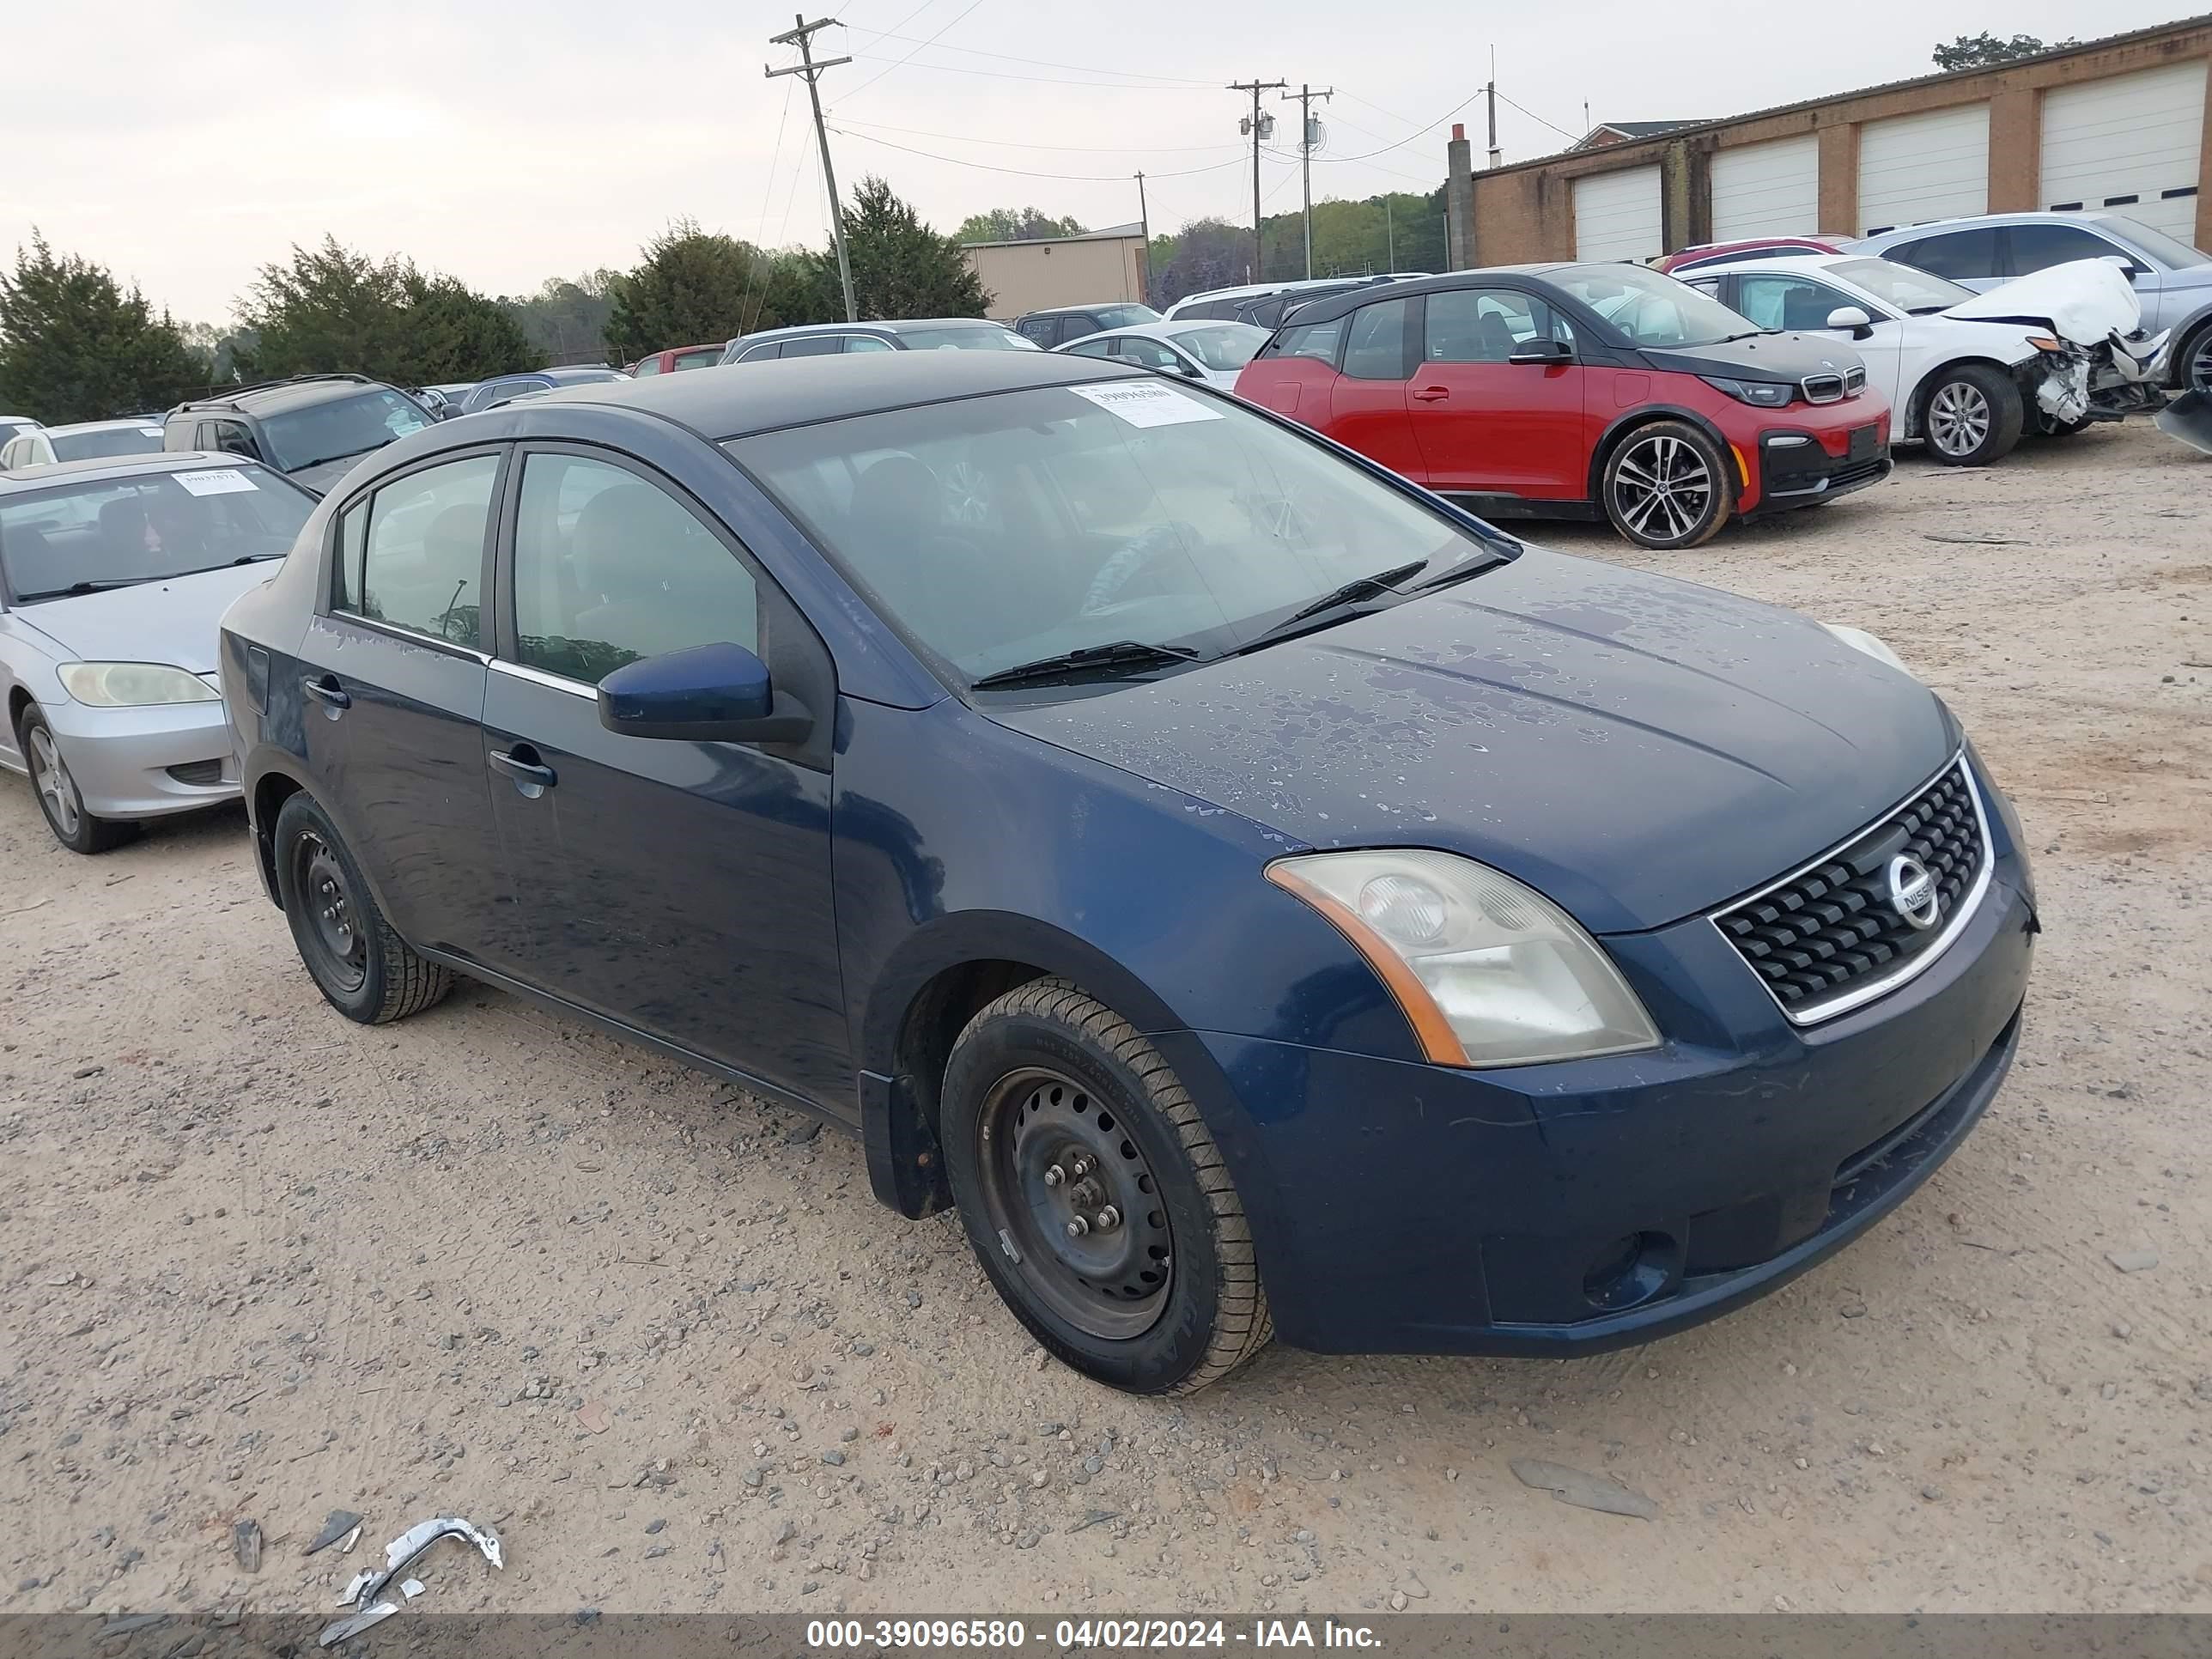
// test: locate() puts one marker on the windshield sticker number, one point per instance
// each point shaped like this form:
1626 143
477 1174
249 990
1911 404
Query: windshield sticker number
1143 403
221 480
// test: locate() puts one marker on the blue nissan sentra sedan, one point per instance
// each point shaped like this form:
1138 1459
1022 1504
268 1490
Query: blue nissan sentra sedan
1257 895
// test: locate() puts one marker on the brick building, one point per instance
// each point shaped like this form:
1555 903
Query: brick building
2117 122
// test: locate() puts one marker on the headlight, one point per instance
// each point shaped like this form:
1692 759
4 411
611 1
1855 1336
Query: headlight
133 684
1489 972
1767 394
1859 640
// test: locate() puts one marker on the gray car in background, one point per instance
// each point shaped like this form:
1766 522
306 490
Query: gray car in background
113 574
2172 280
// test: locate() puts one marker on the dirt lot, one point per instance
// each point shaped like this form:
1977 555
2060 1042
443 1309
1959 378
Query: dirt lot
258 1262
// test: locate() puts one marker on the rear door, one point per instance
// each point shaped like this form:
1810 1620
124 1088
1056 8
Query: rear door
681 887
391 690
1367 401
1486 423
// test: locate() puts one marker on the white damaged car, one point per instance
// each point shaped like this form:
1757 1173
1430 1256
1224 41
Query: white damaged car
1967 373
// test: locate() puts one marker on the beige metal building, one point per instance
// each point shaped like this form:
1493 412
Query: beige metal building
1096 268
2114 124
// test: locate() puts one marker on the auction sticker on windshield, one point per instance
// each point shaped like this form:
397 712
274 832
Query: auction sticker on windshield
218 481
1141 403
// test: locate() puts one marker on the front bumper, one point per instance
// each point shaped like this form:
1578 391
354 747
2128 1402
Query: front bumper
1569 1209
1799 466
146 763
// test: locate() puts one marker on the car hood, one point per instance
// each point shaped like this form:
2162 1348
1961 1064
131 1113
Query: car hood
1638 749
171 621
1785 357
2084 301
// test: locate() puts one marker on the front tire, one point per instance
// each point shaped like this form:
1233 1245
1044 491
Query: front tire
59 801
1973 415
2194 358
1668 486
1095 1199
364 969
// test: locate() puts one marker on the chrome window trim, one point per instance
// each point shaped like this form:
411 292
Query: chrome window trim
409 635
1881 985
522 671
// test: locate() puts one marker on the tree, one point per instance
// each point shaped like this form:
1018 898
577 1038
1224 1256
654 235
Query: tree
1985 51
1204 253
566 319
694 286
75 346
330 309
901 267
1023 224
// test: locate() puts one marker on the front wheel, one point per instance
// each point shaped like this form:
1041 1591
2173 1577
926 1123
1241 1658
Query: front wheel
364 969
2195 359
1666 486
1094 1197
59 801
1973 416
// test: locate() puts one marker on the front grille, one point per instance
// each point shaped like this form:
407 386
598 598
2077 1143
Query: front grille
1830 937
198 772
1822 388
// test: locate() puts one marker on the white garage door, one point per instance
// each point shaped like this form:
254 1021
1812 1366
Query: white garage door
1913 168
1767 189
1617 216
2130 144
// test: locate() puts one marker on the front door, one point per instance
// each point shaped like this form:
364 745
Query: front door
1367 401
681 887
1487 424
392 687
1781 299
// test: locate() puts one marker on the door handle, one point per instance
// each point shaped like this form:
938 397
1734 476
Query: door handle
532 777
328 692
1429 394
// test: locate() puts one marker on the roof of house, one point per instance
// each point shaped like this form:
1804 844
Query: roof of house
1638 128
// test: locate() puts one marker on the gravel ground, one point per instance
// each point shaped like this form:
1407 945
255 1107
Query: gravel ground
260 1263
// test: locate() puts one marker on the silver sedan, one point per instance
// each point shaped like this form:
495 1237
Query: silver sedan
1203 350
113 574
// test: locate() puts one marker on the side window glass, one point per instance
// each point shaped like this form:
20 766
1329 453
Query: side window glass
866 342
609 568
1791 302
422 559
233 438
1137 348
1039 329
1481 326
1312 340
1093 349
1377 348
647 366
353 534
2038 247
814 345
1962 253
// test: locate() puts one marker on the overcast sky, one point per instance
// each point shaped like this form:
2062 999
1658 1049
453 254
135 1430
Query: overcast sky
186 144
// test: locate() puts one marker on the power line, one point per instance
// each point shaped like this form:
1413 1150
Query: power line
1539 120
880 73
1042 63
1020 143
1034 80
1031 173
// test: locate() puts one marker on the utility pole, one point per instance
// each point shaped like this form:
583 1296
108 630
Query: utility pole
1145 229
1306 95
1492 90
1259 126
1389 231
803 38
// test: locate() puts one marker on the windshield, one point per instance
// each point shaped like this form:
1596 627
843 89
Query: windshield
1909 290
965 339
2173 255
1000 530
1227 346
114 440
119 532
1125 316
345 426
1646 308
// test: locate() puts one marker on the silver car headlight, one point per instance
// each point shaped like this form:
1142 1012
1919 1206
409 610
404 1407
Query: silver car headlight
1859 640
1488 971
133 684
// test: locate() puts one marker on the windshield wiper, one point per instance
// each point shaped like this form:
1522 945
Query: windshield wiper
1359 591
75 588
1086 660
1474 565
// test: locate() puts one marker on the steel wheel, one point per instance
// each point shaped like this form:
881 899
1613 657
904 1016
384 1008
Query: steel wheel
1076 1207
57 789
333 931
1662 488
1958 418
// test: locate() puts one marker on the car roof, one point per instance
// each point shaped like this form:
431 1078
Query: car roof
276 396
117 466
1807 263
1077 311
1168 328
121 424
896 326
1327 308
772 395
1971 221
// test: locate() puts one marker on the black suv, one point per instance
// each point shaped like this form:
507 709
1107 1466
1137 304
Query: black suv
312 427
1057 327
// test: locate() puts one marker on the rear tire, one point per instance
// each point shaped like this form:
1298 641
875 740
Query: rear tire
1668 486
59 802
1056 1112
1972 415
364 969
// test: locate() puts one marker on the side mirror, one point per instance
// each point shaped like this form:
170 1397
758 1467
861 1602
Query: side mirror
708 694
2128 268
1850 317
1544 352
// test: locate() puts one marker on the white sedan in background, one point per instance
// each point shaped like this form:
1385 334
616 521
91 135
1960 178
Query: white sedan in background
84 440
1967 373
1197 350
